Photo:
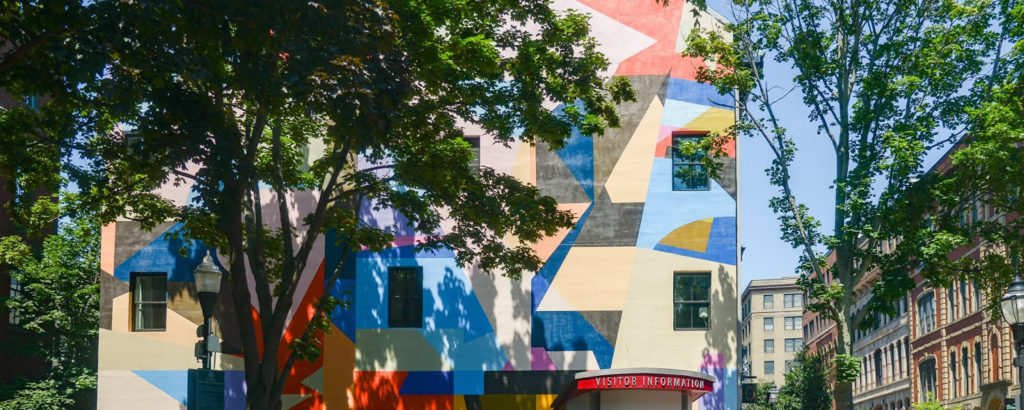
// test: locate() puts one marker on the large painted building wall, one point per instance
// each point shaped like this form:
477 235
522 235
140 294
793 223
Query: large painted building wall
604 298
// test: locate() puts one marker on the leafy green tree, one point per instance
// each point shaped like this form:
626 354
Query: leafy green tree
883 82
59 303
808 384
763 401
974 197
254 92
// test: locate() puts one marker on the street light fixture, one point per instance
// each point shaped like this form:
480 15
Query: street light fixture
1012 306
208 278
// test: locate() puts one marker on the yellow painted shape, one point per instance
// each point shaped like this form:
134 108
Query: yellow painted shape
523 167
179 330
713 120
132 351
460 403
593 278
544 400
692 236
339 365
631 174
513 401
646 326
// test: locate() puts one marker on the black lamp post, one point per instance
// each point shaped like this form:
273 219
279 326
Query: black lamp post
208 278
1012 305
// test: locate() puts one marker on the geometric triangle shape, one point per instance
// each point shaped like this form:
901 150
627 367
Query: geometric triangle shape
594 278
606 322
315 381
290 400
554 178
547 245
609 147
628 179
553 302
172 382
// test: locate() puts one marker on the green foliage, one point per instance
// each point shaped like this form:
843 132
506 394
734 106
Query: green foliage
883 82
232 96
762 402
808 384
59 303
932 404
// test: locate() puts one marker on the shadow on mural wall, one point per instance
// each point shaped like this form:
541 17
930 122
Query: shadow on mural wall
717 363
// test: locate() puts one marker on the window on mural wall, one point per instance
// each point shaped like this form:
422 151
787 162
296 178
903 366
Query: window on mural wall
474 143
688 172
692 294
405 296
149 301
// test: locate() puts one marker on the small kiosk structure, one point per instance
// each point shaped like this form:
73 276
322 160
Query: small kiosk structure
636 388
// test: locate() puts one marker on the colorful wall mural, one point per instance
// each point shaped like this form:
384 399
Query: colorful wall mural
604 298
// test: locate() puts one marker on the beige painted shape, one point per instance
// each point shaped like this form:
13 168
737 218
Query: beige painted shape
714 120
630 176
124 351
574 360
553 302
180 330
646 336
338 369
397 350
595 278
122 389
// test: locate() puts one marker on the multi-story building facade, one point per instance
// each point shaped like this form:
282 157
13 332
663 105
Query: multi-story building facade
961 354
884 350
646 279
770 328
820 332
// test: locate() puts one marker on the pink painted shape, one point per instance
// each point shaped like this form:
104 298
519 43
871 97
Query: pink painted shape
508 366
712 361
539 359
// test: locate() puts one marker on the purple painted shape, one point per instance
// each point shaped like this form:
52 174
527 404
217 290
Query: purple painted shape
508 366
539 359
234 390
713 365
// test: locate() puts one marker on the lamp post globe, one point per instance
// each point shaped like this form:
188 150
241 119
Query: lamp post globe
207 278
207 275
1012 307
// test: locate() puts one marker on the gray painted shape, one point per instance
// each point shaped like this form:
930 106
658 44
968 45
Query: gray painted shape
608 147
130 238
554 178
110 288
606 322
727 175
611 224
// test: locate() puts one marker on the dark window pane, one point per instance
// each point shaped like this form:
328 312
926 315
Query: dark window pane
149 299
405 297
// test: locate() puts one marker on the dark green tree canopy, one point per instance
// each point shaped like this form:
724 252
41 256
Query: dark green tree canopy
358 100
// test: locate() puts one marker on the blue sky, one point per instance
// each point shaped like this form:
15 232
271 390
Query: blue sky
767 256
